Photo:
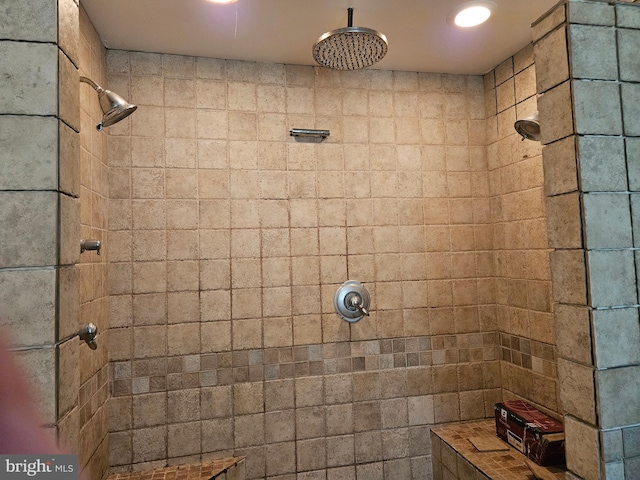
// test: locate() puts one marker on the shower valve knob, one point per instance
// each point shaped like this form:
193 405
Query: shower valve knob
351 301
354 302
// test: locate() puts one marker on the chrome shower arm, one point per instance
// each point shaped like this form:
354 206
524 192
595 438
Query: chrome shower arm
87 334
93 84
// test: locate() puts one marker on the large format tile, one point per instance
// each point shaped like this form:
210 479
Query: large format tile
573 333
39 370
560 166
551 60
607 221
618 399
69 29
29 237
617 327
591 13
612 278
597 107
593 52
627 16
569 276
577 393
631 108
69 92
28 78
556 114
602 164
29 154
27 299
582 448
564 225
628 43
30 20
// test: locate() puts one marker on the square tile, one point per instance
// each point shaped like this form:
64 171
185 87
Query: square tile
560 165
569 276
556 115
564 225
577 394
31 215
628 42
630 107
602 163
591 13
29 80
573 333
618 400
627 16
611 278
551 60
607 220
593 52
597 107
582 448
29 155
547 22
31 20
616 335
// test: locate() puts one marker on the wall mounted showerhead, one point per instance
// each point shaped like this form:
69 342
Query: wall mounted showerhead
529 127
87 334
350 48
114 107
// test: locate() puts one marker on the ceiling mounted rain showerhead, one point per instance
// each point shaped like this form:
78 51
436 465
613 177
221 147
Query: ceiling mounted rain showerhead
528 127
114 107
350 48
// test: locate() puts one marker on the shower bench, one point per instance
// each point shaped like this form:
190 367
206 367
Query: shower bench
232 468
454 457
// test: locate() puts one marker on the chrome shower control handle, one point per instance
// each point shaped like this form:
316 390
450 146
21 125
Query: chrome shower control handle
355 301
352 301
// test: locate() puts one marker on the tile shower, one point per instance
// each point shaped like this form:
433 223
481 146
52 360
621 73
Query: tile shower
226 240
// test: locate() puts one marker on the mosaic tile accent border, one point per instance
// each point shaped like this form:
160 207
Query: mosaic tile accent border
530 354
226 368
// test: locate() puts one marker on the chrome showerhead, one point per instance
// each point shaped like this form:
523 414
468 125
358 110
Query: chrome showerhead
529 127
350 48
114 107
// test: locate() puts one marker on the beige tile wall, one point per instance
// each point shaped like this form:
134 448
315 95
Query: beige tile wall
523 278
228 240
83 424
54 192
592 227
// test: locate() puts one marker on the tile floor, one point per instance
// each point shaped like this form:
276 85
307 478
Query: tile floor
223 469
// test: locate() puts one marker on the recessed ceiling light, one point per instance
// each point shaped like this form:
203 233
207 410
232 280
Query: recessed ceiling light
470 14
222 1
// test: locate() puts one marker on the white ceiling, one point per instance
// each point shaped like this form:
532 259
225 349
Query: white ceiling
284 31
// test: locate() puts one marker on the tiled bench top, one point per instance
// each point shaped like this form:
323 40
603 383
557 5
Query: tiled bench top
496 465
200 471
